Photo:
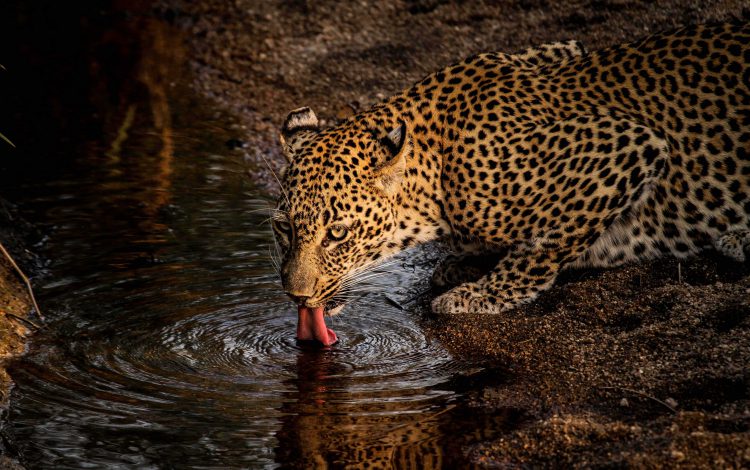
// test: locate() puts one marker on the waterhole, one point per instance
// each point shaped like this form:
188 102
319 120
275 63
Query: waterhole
169 342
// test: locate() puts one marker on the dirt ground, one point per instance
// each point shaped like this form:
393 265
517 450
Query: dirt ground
15 304
644 366
14 307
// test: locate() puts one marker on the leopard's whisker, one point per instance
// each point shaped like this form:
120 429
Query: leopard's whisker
262 209
370 275
276 177
372 281
369 267
274 263
276 260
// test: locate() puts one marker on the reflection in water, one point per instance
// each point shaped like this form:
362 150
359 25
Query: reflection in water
155 55
171 344
159 60
324 425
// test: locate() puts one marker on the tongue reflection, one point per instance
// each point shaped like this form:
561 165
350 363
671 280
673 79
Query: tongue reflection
311 326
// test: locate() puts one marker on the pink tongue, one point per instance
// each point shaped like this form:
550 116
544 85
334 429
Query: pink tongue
311 326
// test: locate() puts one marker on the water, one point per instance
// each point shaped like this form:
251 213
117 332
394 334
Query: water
170 343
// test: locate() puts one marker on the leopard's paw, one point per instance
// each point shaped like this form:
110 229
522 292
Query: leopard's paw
467 298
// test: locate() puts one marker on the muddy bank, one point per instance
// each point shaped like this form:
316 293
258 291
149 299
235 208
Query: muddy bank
16 309
640 366
13 331
16 320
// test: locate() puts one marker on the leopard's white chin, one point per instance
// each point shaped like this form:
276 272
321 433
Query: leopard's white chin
335 310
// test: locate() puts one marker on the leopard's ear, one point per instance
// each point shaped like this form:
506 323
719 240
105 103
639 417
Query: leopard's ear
300 119
398 146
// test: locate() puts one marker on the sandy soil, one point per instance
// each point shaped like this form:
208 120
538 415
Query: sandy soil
644 366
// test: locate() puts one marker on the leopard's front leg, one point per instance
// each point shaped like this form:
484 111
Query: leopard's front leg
554 200
516 279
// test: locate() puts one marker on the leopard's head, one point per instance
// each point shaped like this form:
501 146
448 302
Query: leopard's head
335 216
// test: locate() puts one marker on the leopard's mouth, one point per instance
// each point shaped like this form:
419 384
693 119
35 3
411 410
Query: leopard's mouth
311 324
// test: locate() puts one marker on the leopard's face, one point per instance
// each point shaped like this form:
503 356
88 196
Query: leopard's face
335 214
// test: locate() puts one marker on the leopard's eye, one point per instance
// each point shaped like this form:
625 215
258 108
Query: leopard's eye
337 232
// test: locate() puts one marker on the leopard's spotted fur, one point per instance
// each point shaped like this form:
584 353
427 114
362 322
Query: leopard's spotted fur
551 158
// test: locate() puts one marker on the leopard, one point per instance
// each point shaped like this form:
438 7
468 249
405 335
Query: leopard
545 160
